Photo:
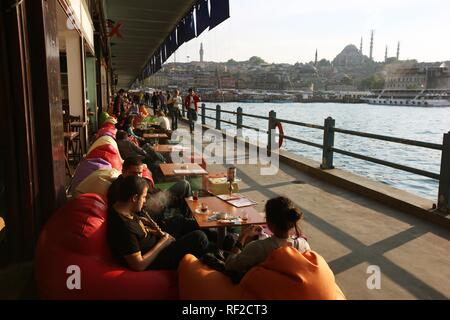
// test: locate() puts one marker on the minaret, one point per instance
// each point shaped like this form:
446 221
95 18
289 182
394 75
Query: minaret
371 47
201 52
315 61
398 51
361 46
386 54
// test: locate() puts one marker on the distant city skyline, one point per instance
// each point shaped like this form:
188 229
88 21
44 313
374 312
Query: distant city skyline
290 31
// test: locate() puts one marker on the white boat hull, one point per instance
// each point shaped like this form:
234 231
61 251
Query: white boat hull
409 103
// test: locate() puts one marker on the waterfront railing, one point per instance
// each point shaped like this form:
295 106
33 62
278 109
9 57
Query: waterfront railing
328 149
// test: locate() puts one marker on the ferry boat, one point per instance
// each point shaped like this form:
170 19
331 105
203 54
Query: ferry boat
410 98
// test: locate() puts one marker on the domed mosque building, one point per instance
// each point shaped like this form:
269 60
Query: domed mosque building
351 56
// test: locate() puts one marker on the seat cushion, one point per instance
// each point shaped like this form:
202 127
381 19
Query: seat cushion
85 168
109 153
97 182
105 139
286 274
76 236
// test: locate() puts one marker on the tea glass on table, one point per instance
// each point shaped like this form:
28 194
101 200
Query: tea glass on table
203 207
195 195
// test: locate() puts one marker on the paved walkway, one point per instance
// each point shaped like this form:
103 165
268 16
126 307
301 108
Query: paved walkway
353 233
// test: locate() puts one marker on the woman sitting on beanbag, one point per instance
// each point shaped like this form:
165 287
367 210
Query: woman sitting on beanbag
282 217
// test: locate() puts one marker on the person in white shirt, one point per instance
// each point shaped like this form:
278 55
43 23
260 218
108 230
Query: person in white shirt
162 121
282 217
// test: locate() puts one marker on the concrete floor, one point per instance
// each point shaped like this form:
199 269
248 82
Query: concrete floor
353 233
348 230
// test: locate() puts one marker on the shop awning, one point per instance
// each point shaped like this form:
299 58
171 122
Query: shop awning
138 27
143 34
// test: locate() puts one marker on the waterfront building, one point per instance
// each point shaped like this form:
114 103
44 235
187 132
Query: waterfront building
418 77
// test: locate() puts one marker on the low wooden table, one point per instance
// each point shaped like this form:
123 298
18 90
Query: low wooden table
217 205
169 148
192 169
156 136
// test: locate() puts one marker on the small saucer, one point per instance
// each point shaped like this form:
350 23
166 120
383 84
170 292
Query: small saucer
199 211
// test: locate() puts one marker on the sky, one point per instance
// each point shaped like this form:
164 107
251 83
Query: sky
289 31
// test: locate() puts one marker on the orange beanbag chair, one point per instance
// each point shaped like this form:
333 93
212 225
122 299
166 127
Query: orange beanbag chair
287 274
109 153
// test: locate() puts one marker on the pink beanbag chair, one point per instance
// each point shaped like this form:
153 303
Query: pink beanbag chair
74 242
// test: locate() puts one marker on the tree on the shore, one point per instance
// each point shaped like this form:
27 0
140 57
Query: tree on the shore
256 60
375 81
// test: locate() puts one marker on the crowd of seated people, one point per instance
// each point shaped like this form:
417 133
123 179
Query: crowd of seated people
149 228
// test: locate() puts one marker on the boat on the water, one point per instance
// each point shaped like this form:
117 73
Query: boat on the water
410 98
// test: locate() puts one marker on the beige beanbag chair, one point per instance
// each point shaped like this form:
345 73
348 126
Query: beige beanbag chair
97 182
104 140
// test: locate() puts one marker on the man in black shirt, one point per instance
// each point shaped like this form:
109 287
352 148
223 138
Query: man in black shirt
142 246
159 202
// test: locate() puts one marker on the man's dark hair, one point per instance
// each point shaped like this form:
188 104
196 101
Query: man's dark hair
131 161
121 91
121 135
190 90
130 186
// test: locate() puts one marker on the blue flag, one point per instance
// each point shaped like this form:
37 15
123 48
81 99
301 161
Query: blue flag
201 16
189 27
220 11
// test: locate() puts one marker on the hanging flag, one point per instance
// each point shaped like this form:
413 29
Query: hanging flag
189 27
180 33
163 53
201 16
158 62
220 11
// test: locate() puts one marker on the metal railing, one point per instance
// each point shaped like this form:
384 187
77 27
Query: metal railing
328 149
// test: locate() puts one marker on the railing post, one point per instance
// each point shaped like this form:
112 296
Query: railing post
203 114
444 181
270 136
328 144
239 122
218 111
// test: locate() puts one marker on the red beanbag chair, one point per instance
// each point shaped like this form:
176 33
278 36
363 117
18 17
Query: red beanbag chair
286 274
75 236
108 124
109 153
148 175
